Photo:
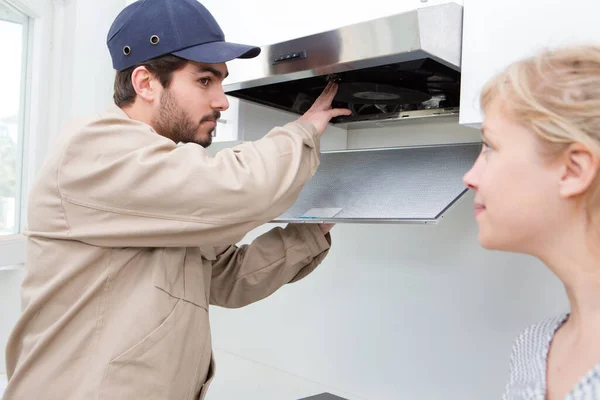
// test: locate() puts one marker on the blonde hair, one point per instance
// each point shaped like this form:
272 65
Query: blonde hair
555 94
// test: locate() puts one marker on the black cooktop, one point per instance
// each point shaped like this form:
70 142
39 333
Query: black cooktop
371 93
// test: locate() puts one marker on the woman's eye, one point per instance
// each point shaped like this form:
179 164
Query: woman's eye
485 147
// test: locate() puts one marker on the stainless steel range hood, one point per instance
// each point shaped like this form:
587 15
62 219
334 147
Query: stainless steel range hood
401 66
405 66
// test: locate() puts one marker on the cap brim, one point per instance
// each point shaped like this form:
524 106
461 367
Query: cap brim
217 52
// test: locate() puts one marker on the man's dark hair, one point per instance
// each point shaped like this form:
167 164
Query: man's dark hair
162 67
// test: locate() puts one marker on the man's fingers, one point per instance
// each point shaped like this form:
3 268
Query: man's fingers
323 102
329 92
325 228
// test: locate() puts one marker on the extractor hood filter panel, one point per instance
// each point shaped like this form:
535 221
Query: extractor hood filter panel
410 185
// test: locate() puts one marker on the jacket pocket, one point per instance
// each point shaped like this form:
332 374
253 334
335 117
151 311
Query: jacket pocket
180 274
209 378
164 364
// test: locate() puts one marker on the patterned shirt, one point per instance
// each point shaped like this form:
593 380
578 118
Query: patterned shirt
527 379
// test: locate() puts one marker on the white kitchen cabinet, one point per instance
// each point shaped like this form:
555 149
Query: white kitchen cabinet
228 127
497 33
262 22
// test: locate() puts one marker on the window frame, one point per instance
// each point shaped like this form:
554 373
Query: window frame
21 117
41 66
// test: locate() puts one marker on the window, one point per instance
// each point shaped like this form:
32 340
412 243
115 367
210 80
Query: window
14 30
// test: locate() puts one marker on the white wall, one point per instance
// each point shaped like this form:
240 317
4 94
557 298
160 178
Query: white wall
87 74
266 21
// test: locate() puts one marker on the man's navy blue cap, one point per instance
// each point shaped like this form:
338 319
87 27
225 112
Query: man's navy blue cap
148 29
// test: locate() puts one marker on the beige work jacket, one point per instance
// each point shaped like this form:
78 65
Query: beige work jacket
130 239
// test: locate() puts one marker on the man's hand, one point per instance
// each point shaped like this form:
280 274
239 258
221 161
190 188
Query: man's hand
320 113
326 228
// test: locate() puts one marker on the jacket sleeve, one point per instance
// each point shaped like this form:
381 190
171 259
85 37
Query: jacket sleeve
132 187
249 273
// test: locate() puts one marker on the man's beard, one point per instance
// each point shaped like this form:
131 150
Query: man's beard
175 123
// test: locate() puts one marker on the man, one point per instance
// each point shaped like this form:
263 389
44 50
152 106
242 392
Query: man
130 236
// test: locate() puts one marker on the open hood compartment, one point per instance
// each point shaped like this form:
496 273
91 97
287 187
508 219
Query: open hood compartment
401 66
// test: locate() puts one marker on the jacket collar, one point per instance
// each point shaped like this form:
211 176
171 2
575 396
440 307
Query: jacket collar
114 109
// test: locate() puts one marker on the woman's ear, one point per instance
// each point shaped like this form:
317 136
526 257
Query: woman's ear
141 79
579 170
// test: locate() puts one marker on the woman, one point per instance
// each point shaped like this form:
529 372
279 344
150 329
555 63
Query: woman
537 191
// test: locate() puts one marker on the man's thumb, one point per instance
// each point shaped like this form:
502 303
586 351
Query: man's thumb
336 112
